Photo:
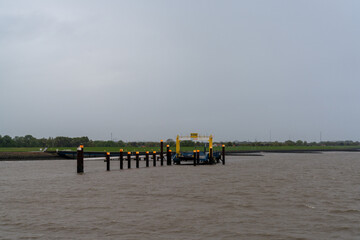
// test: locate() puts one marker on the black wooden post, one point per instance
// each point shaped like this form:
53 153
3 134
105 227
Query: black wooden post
168 155
154 158
223 154
80 159
211 156
129 160
162 152
194 157
147 158
121 159
107 161
197 157
137 159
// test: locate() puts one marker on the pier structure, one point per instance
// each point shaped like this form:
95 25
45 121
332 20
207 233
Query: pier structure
197 157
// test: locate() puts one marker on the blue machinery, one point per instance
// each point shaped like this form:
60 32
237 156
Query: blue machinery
196 156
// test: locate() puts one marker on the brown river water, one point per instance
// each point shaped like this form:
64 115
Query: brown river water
275 196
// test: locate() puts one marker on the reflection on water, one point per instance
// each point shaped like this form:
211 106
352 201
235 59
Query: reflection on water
277 196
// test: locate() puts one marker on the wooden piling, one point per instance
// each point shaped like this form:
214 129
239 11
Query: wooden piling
169 157
129 160
223 154
161 152
197 157
137 159
194 157
121 159
154 158
147 158
107 161
80 159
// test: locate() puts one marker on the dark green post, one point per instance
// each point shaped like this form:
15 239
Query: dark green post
137 159
107 161
129 160
154 158
121 159
197 157
223 154
80 159
168 156
211 159
194 157
162 152
147 158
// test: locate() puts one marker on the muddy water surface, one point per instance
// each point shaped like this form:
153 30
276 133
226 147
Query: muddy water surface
277 196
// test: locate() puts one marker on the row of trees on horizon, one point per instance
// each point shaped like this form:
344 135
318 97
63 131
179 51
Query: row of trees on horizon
30 141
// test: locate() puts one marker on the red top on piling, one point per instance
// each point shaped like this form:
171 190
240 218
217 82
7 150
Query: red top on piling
137 152
223 145
129 153
167 146
154 151
194 151
169 150
107 153
81 146
161 140
147 151
198 150
121 150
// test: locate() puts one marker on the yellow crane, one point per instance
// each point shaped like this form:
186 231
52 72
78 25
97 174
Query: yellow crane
193 137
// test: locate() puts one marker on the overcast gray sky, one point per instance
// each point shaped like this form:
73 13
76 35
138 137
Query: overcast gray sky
149 70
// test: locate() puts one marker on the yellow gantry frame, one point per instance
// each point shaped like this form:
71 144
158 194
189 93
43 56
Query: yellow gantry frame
177 145
201 138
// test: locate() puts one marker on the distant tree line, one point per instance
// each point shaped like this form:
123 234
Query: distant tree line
292 143
30 141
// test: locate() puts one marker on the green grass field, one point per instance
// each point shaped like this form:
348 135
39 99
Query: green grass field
187 149
289 148
19 149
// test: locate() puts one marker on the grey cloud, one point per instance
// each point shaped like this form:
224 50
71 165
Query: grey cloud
149 70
